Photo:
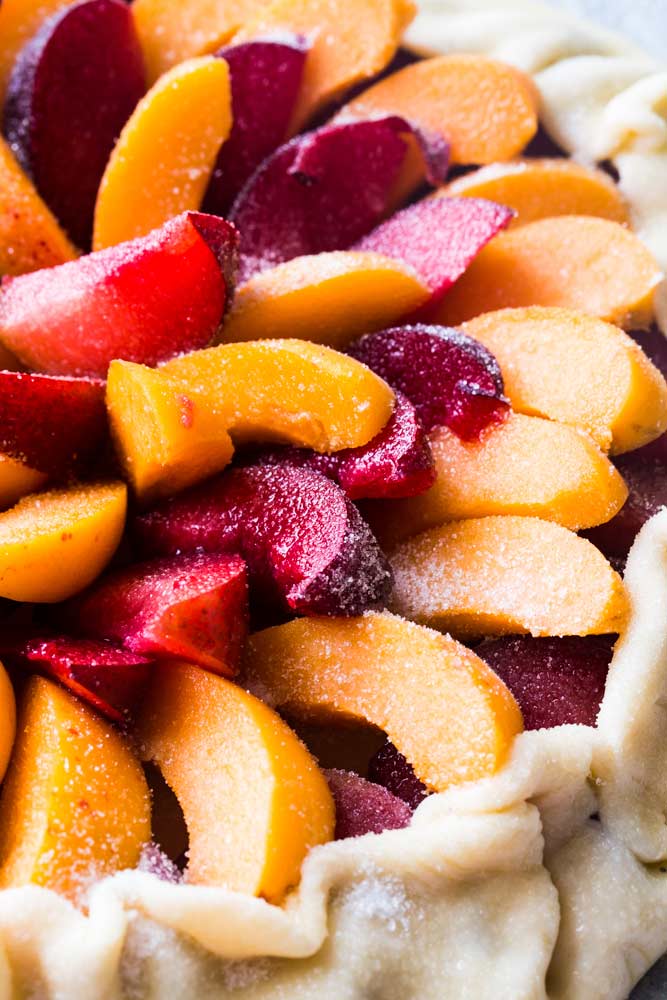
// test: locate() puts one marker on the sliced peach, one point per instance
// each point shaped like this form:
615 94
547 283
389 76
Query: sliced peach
54 544
571 367
525 466
348 44
504 575
17 480
253 798
19 21
75 805
443 708
485 109
163 160
540 189
30 236
572 261
7 720
330 298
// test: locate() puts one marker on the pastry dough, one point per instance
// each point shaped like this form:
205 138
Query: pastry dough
487 892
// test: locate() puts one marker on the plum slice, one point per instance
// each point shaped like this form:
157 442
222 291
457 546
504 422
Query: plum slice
190 608
146 300
323 190
645 475
73 87
388 767
363 807
265 77
556 681
307 548
449 378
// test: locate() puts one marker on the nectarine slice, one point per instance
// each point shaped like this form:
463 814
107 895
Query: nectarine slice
54 544
485 109
163 160
7 720
19 21
17 480
572 261
329 298
504 575
540 189
571 367
253 798
438 702
75 805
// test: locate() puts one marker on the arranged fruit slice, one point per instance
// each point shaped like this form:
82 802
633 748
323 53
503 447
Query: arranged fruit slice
362 807
347 46
540 189
485 109
75 805
30 236
439 703
449 378
557 681
192 608
64 110
17 480
573 261
54 544
389 768
253 798
330 298
500 575
265 77
146 300
7 720
438 237
162 162
306 546
645 475
571 367
19 21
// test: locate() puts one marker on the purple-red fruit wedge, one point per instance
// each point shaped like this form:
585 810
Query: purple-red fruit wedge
265 76
556 681
438 237
146 300
308 550
396 463
191 608
362 807
645 475
321 191
73 87
389 768
449 378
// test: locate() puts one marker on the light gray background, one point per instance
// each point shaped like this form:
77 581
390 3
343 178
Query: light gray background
643 20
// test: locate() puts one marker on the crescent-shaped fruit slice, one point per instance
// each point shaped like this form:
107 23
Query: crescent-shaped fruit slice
19 21
17 480
7 720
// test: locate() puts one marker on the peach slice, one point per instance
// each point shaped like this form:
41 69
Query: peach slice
572 261
438 702
330 298
163 160
348 44
485 109
504 575
540 189
253 798
571 367
75 805
17 480
54 544
7 720
19 21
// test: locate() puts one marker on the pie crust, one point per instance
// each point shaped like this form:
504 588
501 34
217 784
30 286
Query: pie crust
546 880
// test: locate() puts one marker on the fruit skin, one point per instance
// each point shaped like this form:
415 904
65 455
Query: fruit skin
19 21
64 111
54 544
306 547
362 807
389 768
146 300
253 798
7 720
192 608
439 704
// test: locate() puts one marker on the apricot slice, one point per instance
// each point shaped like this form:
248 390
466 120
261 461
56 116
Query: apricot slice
253 798
485 109
572 261
163 160
347 45
329 298
540 189
54 544
30 237
7 720
17 480
571 367
504 575
19 21
438 702
75 805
